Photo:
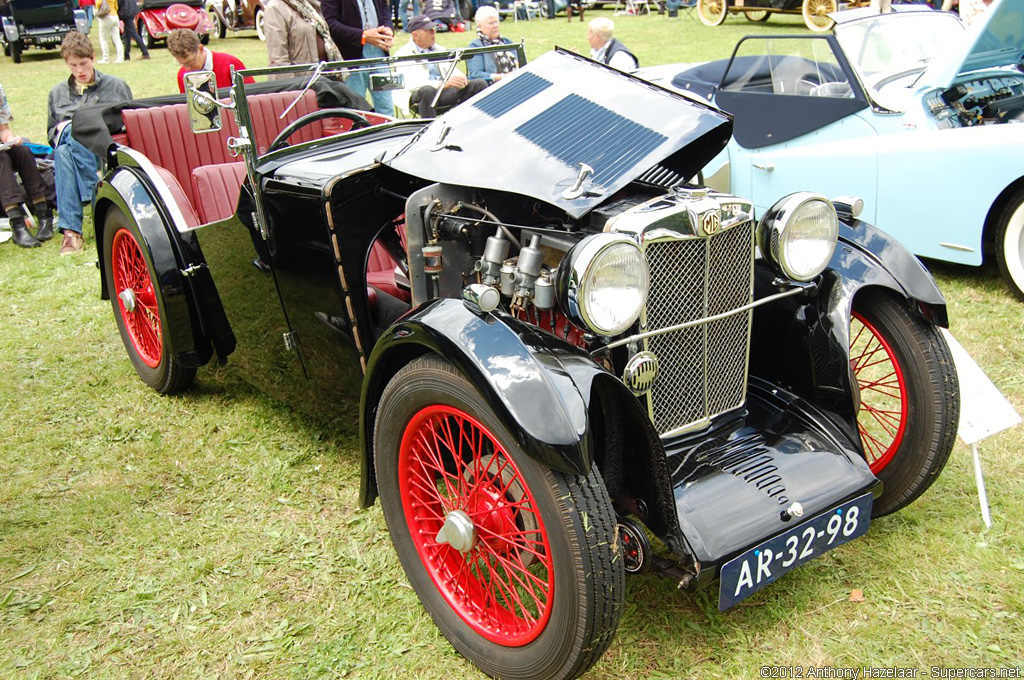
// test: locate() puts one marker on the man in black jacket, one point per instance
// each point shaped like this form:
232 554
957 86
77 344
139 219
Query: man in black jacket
127 10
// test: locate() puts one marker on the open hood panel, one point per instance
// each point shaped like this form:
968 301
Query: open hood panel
530 132
995 39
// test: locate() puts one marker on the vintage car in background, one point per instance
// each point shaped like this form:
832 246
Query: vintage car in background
908 111
37 23
236 15
157 18
554 344
816 13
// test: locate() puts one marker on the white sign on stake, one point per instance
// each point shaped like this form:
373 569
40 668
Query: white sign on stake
984 411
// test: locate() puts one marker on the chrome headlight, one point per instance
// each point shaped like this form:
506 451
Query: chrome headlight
798 235
603 283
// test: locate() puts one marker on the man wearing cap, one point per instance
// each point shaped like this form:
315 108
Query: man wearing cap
422 80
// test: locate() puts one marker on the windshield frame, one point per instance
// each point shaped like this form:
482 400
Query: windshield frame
912 40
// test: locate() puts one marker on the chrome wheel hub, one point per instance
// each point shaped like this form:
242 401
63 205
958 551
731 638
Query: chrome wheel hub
458 531
127 299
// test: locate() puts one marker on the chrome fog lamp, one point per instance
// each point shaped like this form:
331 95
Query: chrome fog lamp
798 235
603 283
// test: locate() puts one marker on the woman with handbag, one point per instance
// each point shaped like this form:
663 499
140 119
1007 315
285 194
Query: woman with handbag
110 30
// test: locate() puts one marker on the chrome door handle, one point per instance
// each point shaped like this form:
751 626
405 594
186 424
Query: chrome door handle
767 167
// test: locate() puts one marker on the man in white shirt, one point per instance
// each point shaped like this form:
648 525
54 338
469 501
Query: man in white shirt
422 80
606 48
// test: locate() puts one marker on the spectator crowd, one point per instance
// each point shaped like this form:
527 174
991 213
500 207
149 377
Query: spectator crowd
297 32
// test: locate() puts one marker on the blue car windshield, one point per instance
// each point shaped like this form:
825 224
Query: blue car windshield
897 43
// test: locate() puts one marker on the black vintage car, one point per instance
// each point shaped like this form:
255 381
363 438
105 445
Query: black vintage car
37 23
556 347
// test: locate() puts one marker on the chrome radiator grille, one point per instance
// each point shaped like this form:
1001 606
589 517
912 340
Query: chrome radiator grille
703 368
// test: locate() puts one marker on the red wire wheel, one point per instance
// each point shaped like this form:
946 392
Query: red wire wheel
181 16
909 396
500 582
882 420
136 298
518 564
139 306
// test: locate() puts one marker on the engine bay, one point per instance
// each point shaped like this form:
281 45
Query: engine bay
982 101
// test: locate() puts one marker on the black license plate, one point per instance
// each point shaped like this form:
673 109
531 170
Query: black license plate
745 574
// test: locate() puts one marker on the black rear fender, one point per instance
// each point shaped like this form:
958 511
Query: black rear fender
196 322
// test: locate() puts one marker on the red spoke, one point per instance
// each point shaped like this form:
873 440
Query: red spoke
883 414
503 587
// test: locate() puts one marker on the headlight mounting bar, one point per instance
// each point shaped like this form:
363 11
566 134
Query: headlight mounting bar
698 322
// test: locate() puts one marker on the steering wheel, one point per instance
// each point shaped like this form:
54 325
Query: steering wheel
358 122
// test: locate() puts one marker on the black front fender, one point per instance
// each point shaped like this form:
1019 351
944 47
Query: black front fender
539 387
803 342
868 256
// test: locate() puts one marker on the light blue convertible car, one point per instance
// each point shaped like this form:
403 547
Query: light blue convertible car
918 116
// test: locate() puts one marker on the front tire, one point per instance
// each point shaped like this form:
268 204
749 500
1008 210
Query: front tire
910 398
516 563
217 27
145 35
138 307
1010 244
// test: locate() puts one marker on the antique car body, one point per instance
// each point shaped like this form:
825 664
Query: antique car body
549 352
892 108
235 15
36 23
157 18
816 13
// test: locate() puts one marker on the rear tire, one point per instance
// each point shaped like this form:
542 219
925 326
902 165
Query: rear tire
527 581
1010 244
909 394
139 307
816 13
16 52
712 12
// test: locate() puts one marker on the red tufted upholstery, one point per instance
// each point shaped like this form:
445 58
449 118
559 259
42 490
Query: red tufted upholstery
163 134
216 190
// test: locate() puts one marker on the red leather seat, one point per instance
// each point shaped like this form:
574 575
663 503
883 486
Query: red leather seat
216 189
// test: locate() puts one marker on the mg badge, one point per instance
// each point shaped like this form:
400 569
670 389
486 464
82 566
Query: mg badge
640 372
710 222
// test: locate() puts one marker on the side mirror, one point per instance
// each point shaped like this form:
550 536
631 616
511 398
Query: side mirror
203 107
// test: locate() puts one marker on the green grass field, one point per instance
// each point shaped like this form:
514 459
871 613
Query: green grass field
216 534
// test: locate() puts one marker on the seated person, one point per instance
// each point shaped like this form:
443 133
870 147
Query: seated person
606 48
16 158
423 80
184 46
490 67
75 166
